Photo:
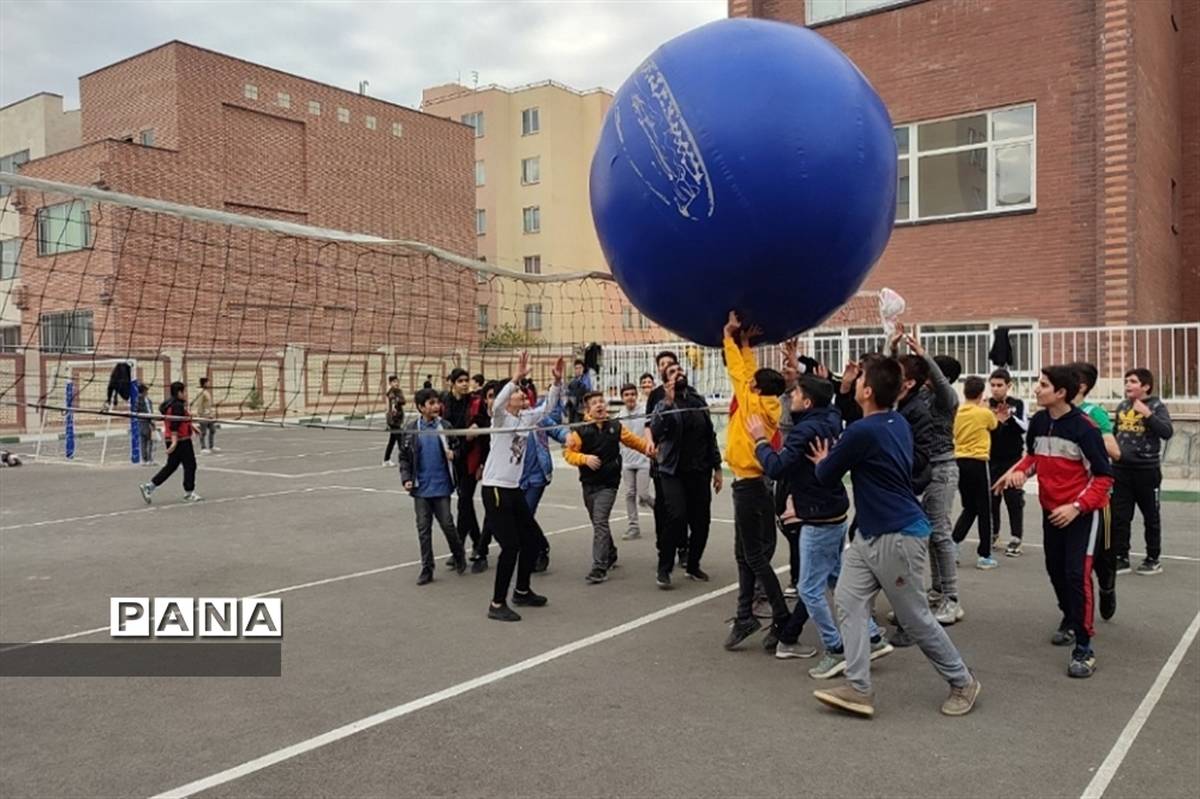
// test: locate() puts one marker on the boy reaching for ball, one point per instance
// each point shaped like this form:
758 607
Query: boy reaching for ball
596 449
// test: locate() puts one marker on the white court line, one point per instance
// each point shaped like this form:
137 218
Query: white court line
354 727
1108 769
281 475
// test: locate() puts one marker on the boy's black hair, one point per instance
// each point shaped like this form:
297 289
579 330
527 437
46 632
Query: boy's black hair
589 395
1088 374
204 382
1144 376
456 373
628 387
973 387
424 395
479 378
1001 374
579 362
392 378
177 387
818 391
950 367
915 369
1063 378
665 354
884 376
770 382
645 375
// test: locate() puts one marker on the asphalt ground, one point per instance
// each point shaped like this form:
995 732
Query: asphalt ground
617 689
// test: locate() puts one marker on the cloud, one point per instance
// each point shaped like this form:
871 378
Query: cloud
400 47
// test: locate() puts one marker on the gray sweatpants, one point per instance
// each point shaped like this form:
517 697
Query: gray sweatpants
636 483
938 503
894 563
599 501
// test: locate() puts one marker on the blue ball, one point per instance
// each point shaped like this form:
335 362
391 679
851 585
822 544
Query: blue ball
745 165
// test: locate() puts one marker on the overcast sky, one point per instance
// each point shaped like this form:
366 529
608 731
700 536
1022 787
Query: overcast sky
400 46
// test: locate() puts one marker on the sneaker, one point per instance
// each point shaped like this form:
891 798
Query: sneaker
740 630
1123 565
1063 636
790 592
880 648
630 535
761 609
831 665
683 559
147 489
1082 665
771 639
1013 550
1108 603
386 464
208 452
215 449
542 562
847 697
934 596
1150 566
961 699
460 563
502 613
663 580
984 564
596 576
192 496
797 650
479 565
529 599
425 577
698 574
901 638
949 612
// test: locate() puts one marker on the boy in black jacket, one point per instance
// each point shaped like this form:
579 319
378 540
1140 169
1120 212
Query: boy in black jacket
1143 423
1008 447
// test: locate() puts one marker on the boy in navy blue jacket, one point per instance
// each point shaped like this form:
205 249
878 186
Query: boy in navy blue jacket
890 549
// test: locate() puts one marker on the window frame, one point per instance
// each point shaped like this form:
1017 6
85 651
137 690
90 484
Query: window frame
250 91
343 115
314 108
283 99
482 321
534 213
13 165
476 124
5 344
480 217
534 261
371 122
143 139
480 173
533 310
536 162
398 129
531 120
69 317
990 145
884 5
10 268
44 245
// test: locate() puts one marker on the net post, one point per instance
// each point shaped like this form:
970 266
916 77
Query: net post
135 441
69 427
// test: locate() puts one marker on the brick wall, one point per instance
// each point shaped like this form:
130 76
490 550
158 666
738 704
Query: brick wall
1187 18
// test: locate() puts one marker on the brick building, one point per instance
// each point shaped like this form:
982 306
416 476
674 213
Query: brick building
1049 153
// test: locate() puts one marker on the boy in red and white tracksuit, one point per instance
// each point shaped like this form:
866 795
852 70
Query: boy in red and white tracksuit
1066 451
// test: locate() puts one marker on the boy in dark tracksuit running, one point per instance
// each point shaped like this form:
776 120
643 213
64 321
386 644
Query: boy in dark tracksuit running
1074 473
1143 423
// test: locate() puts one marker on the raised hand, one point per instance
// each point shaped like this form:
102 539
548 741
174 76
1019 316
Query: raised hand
822 371
560 367
914 345
522 366
849 376
818 450
732 324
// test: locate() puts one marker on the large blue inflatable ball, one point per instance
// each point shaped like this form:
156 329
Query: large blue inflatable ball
745 165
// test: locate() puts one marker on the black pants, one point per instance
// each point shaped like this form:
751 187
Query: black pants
183 455
753 546
791 631
686 502
1104 562
468 521
1136 487
1069 563
792 533
1013 499
509 519
974 488
393 442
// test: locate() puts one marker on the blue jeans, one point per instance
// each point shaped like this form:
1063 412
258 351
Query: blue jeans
533 497
820 564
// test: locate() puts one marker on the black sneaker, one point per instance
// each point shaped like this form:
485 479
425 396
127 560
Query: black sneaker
698 574
1122 564
543 561
683 559
1108 603
612 559
740 630
503 613
664 579
1063 636
458 563
771 639
1082 665
596 576
479 565
425 577
529 599
1149 567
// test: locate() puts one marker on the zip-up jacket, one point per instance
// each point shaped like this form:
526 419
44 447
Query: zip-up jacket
539 465
739 448
1008 440
684 435
812 501
916 413
410 450
1067 454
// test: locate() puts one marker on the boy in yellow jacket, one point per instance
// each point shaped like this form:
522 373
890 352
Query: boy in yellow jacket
755 393
973 425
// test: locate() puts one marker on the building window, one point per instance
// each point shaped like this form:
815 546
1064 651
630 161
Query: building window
481 318
531 121
480 174
531 170
343 115
65 227
974 164
10 338
250 91
146 137
480 221
370 123
66 331
626 317
533 316
474 120
283 100
531 219
314 108
9 164
533 264
10 258
826 10
397 129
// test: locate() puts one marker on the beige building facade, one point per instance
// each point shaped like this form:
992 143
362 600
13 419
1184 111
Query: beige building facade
31 128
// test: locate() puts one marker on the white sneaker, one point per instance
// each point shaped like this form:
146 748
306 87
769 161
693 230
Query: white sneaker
206 452
949 612
790 592
216 449
192 496
386 464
